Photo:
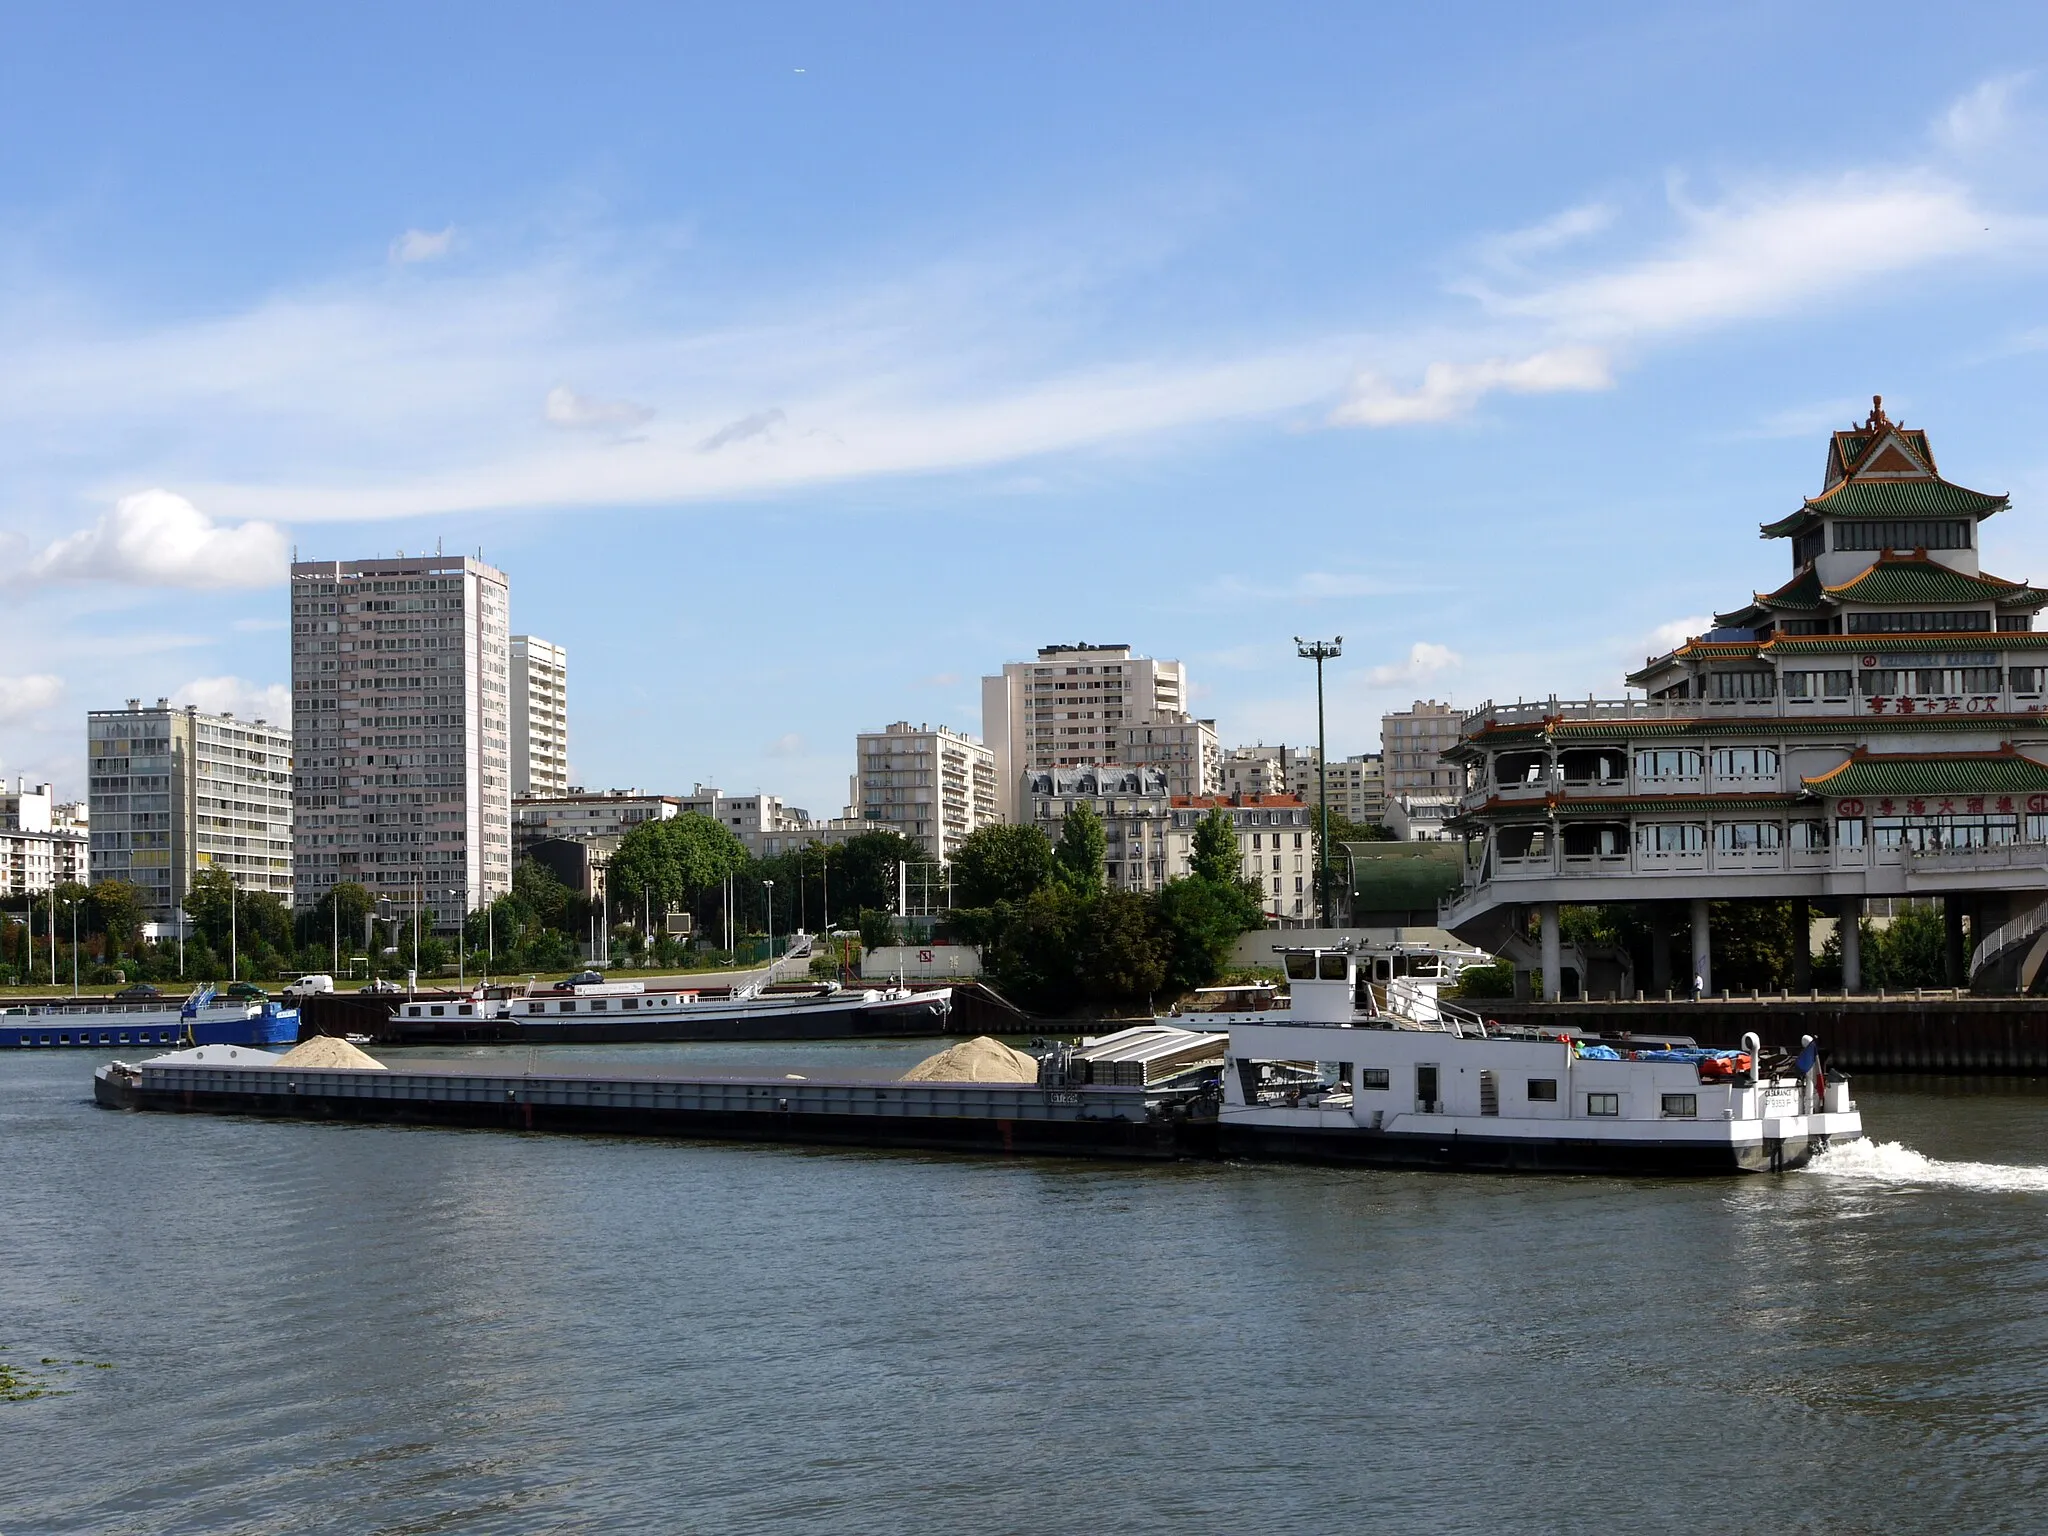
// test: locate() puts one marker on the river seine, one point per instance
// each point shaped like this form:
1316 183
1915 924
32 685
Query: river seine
297 1328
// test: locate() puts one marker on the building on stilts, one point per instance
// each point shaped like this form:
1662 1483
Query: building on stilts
1876 727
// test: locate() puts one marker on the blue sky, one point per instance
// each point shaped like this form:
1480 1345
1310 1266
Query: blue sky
800 368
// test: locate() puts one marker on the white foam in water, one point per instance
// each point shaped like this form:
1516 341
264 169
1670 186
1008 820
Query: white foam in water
1887 1162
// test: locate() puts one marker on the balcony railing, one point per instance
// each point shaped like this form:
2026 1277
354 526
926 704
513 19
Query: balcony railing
1525 712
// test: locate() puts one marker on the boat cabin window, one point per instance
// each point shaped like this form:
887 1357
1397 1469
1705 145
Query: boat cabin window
1331 966
1603 1103
1375 1077
631 1002
1301 967
1542 1090
568 1007
437 1010
597 1005
1681 1106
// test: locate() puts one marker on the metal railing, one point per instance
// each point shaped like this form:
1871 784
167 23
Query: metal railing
1535 712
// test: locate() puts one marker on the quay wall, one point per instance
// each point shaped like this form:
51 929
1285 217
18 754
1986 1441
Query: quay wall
1916 1032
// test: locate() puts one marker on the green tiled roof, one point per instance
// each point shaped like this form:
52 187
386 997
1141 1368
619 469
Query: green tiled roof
1917 580
1833 646
1642 805
1890 498
1803 594
1954 773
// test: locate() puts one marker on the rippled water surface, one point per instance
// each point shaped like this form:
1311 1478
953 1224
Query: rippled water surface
363 1329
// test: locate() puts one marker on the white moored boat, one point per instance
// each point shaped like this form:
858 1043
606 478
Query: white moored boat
1340 1074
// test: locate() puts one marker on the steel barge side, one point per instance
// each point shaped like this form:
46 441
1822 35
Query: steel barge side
975 1117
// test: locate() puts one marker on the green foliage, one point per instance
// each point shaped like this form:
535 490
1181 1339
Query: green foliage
1199 920
1078 856
114 908
1121 954
1906 952
864 869
877 928
1495 980
669 863
1001 863
1214 856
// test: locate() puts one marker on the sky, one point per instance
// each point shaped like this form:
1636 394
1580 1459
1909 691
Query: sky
802 364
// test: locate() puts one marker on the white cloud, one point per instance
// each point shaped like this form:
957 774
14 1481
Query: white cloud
759 424
157 538
1559 230
1425 661
21 697
238 696
939 680
1450 389
566 408
1667 637
1980 117
422 245
789 744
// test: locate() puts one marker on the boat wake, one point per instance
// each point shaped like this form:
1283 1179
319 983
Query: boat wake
1887 1162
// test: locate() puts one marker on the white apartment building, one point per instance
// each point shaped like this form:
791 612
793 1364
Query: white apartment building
172 791
748 816
401 688
1069 707
540 717
1149 832
1186 751
1357 784
1414 742
931 784
581 813
42 844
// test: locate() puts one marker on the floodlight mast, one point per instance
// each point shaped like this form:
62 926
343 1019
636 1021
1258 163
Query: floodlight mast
1320 651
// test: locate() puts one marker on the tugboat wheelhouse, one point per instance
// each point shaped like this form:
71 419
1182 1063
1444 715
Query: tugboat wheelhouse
1877 726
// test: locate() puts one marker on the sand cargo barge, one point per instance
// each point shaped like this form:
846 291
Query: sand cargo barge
1081 1120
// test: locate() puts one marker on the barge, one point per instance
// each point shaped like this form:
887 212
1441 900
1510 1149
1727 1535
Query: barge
201 1019
628 1012
1085 1120
1335 1074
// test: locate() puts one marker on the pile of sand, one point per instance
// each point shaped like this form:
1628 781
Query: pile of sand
330 1053
980 1060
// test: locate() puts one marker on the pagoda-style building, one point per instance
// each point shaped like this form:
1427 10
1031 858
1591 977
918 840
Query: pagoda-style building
1876 726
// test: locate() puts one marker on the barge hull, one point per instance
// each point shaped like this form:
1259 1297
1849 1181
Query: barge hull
992 1119
1489 1154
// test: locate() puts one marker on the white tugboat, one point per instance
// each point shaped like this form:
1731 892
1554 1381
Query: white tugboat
1338 1075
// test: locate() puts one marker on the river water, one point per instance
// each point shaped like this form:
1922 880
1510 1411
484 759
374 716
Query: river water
365 1329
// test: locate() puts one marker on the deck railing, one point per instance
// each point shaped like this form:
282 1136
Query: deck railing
1536 711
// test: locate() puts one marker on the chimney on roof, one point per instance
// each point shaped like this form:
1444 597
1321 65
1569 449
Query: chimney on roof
134 706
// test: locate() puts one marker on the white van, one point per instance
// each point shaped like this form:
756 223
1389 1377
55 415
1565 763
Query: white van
306 986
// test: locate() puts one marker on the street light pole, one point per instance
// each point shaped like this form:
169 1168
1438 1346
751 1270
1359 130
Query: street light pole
769 887
1320 651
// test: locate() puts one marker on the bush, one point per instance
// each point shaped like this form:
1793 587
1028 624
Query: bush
1495 980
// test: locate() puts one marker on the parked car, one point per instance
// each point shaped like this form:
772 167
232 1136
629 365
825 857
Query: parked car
238 991
140 991
381 986
580 979
306 986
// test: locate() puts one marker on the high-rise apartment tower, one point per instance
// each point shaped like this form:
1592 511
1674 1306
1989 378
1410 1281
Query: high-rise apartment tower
401 689
174 791
540 717
1071 707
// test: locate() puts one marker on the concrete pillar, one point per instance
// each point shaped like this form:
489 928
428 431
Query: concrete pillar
1852 943
1553 964
1702 948
1660 951
1802 944
1952 957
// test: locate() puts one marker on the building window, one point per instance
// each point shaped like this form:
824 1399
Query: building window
1743 685
1671 837
2024 679
1603 1104
1748 836
1809 837
1818 685
1746 763
1681 1106
1915 534
1968 620
1542 1090
1668 763
1849 831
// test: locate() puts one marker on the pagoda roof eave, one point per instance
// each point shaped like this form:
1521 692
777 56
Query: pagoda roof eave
1867 774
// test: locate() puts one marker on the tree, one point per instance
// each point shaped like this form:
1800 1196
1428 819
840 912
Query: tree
1123 956
1033 960
1077 858
1199 921
1001 863
1215 855
877 929
114 908
669 863
865 874
213 905
338 913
